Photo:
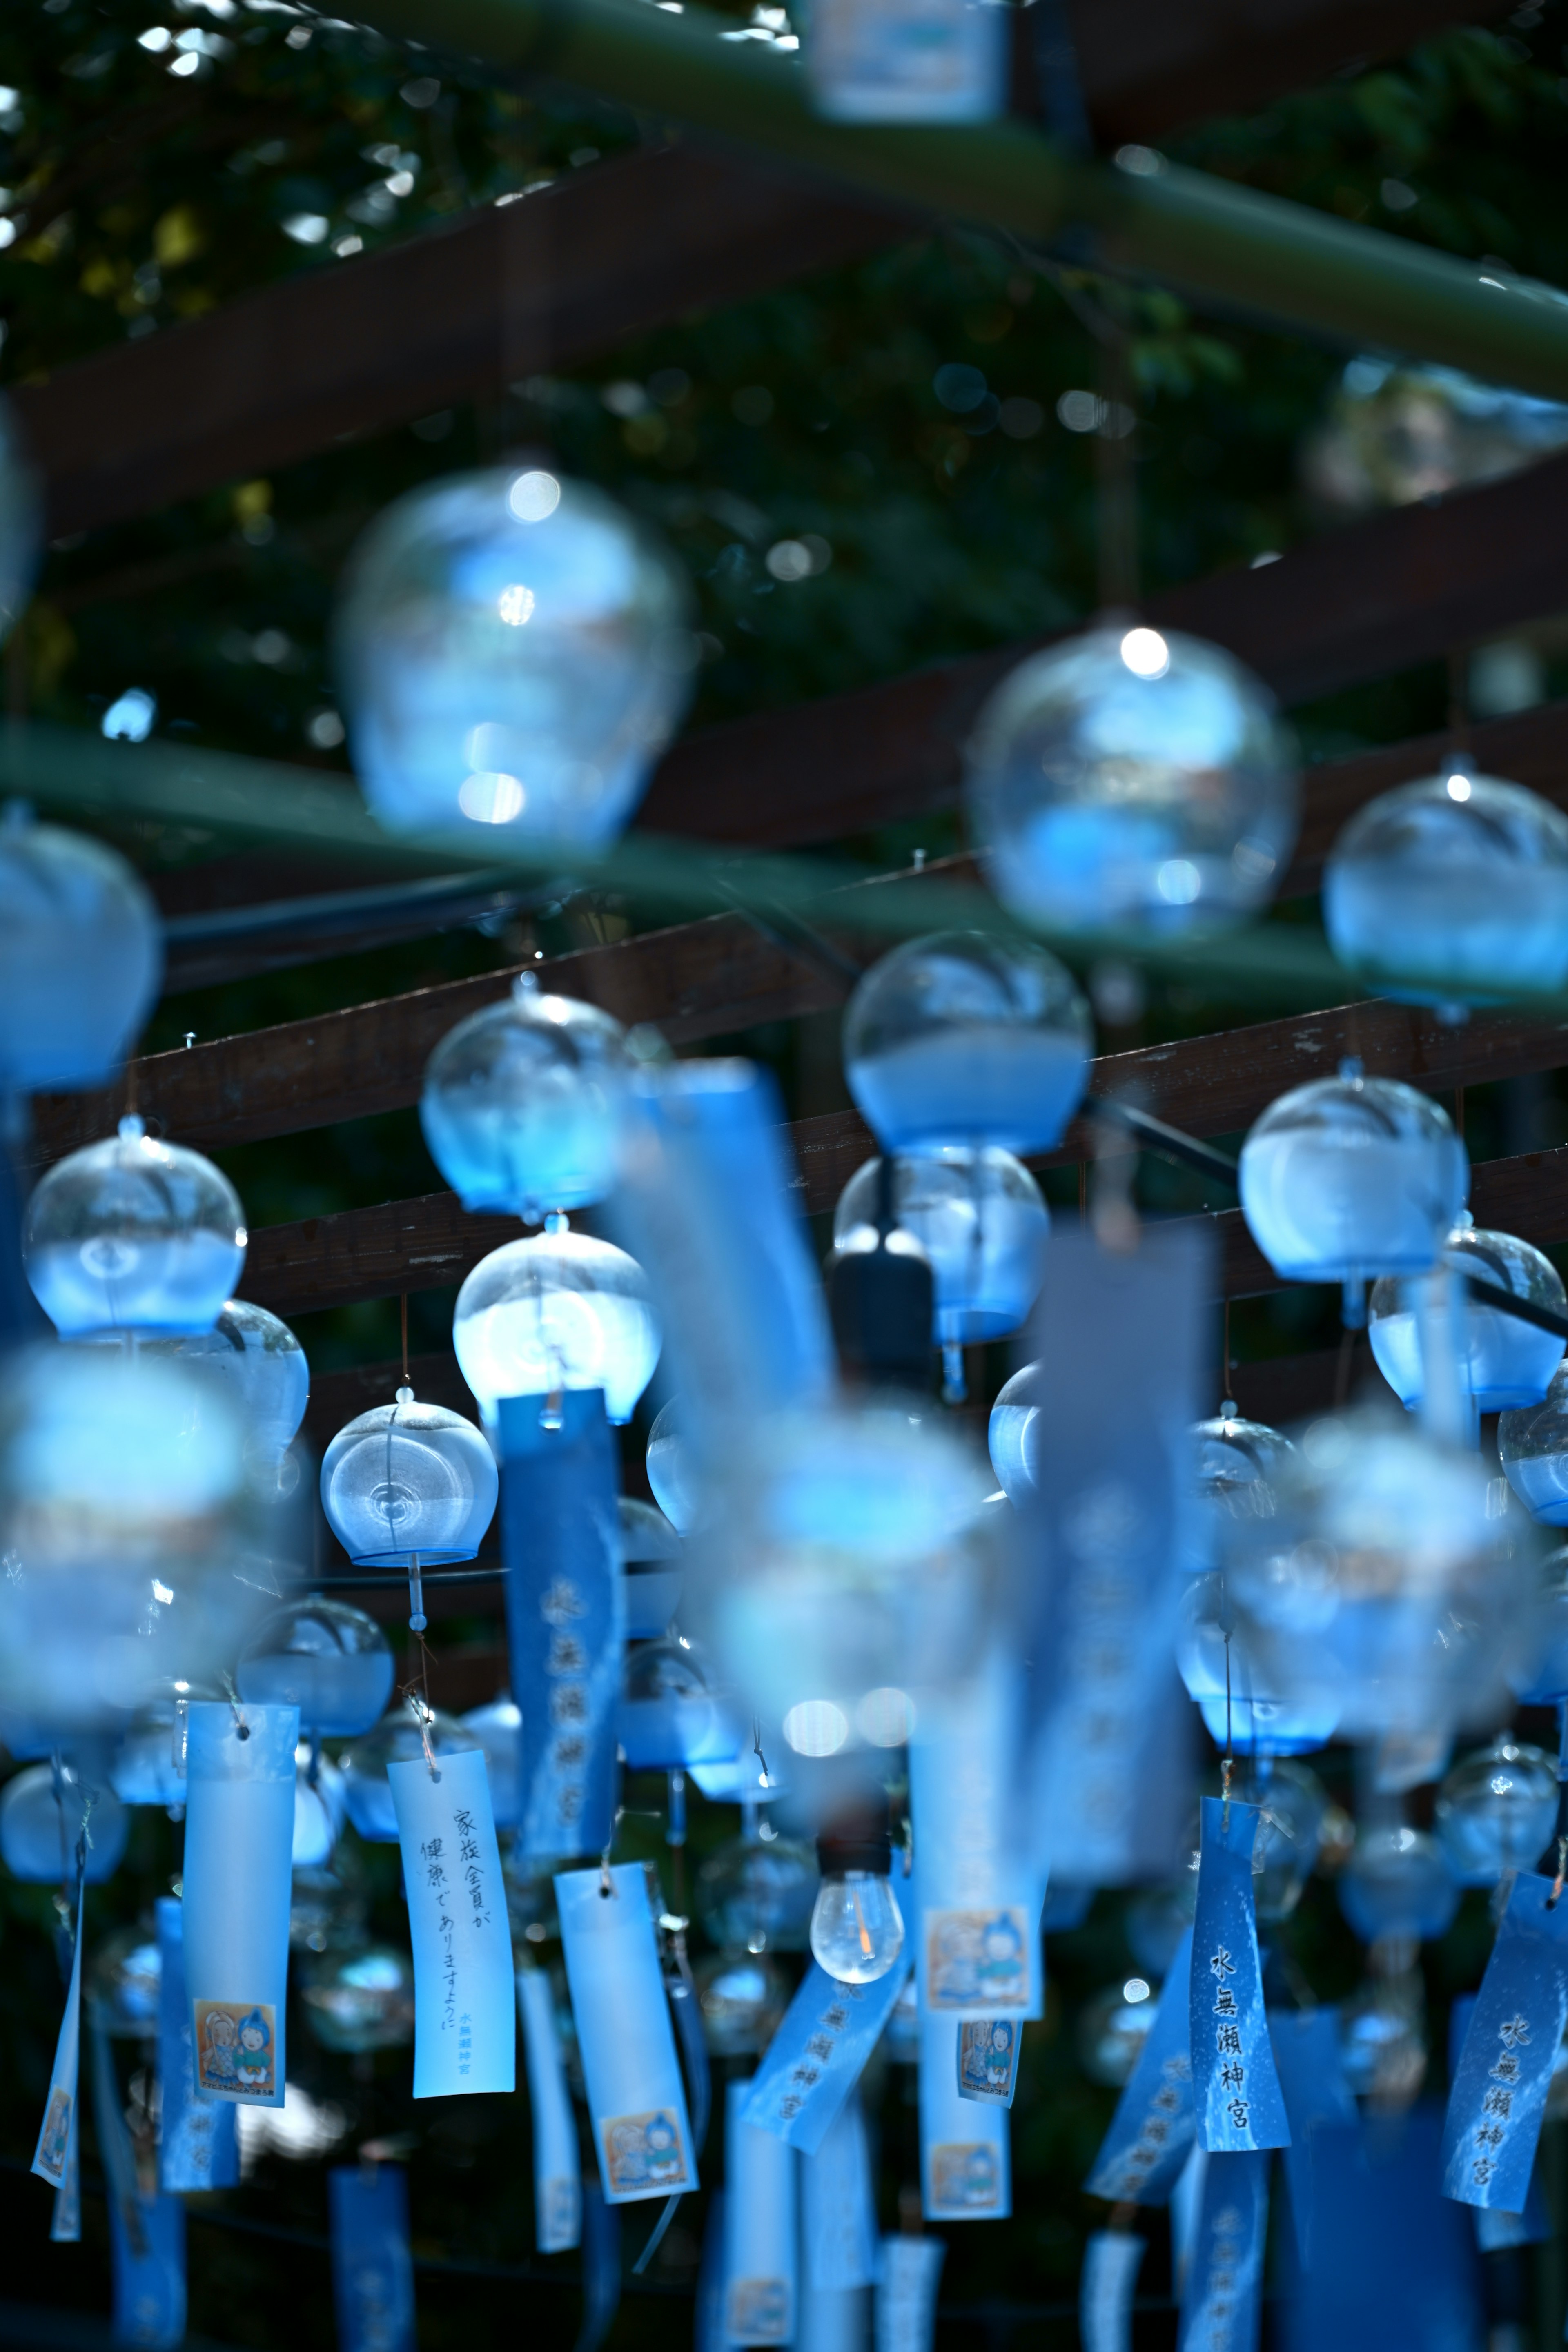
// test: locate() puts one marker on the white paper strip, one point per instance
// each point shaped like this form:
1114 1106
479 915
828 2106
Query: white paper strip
239 1839
838 2211
635 2097
759 2229
906 2294
465 2030
557 2170
965 2174
977 1949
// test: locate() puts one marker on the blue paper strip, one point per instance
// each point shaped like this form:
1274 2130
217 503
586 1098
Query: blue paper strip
238 1880
906 2294
55 2131
1111 2261
198 2142
976 1934
372 2268
814 2059
1187 2204
1224 2298
557 2167
833 2318
1236 2091
641 2130
146 2234
759 2229
1499 2097
1495 2230
965 2148
1395 2266
708 2333
838 2206
465 2032
65 2221
1306 2045
564 1613
1152 2129
601 2268
988 2050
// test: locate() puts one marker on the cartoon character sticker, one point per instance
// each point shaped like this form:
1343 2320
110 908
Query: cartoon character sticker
235 2048
964 2178
643 2155
53 2141
977 1957
988 2059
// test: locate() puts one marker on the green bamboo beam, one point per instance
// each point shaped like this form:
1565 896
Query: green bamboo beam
1212 240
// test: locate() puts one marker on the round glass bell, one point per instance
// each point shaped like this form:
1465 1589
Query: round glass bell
40 1822
981 1220
124 1982
1387 1587
134 1235
559 1310
1398 1884
1011 1433
324 1910
1497 1811
1451 891
757 1898
396 1740
1540 1677
81 948
521 1104
1234 1464
328 1660
650 1570
361 2000
409 1486
320 1809
742 1998
669 1716
260 1368
21 520
1533 1446
670 1468
1132 776
148 1766
1112 2028
1352 1176
964 1040
1240 1710
1508 1364
513 649
498 1727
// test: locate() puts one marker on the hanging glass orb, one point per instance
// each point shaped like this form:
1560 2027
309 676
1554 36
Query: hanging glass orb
1291 1804
325 1911
670 1469
259 1367
741 2000
126 1537
1397 1883
1387 1586
134 1235
148 1766
1112 2028
1156 1920
650 1570
1497 1811
1132 776
1235 1462
669 1716
1352 1176
1540 1679
1509 1364
513 649
559 1310
409 1483
360 2001
1383 2044
124 1983
1451 891
1011 1433
498 1727
320 1809
396 1740
1232 1686
1533 1446
981 1220
40 1821
521 1104
757 1898
21 522
530 1896
82 948
963 1040
328 1660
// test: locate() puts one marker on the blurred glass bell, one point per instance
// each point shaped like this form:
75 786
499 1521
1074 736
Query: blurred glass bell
328 1660
1156 1920
1292 1803
1010 1432
360 2001
670 1468
668 1715
1222 1671
1508 1364
521 1104
1497 1811
40 1821
134 1235
1382 2042
324 1909
757 1898
148 1765
1397 1884
1533 1446
1394 434
1234 1464
963 1040
1132 776
81 946
259 1367
124 1982
650 1570
1540 1679
409 1486
1352 1176
907 61
513 650
320 1806
498 1727
559 1310
741 1999
396 1740
1451 891
1112 2028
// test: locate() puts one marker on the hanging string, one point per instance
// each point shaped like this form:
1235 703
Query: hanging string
402 1309
607 1884
1224 1373
1460 1112
241 1729
423 1716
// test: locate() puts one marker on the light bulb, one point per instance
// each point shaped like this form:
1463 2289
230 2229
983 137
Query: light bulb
856 1926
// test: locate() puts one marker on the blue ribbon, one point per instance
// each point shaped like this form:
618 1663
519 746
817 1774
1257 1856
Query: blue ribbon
1142 2155
1499 2096
1306 2044
372 2268
815 2060
1225 2284
565 1613
1236 2091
